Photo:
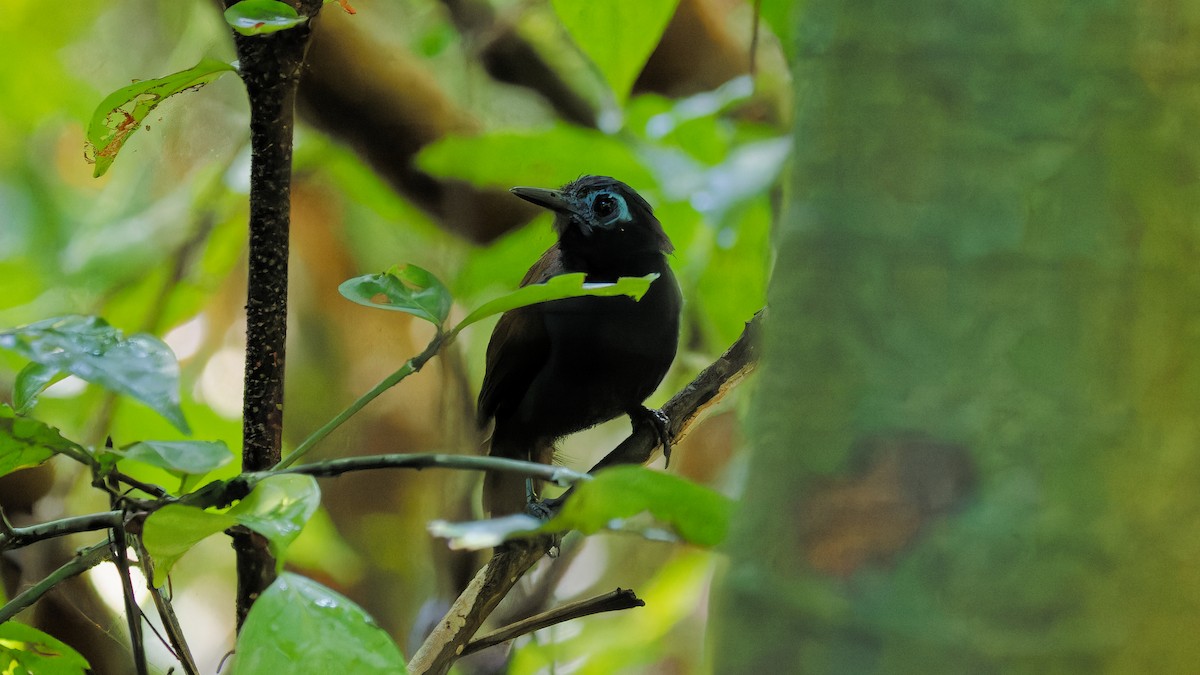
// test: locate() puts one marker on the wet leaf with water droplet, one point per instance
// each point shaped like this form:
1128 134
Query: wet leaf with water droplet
27 442
179 457
174 529
299 621
140 365
278 508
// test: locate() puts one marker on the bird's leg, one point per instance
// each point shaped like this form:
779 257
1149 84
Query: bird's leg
661 423
542 509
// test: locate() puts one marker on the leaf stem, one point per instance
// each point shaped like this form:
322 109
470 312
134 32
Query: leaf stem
410 366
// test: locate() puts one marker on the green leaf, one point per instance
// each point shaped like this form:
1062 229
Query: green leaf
545 157
617 35
179 457
476 535
174 529
25 650
259 17
278 508
557 288
26 442
121 112
696 513
141 365
607 502
31 381
298 621
407 289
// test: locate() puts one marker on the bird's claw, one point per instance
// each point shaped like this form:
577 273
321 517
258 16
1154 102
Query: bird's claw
542 509
662 427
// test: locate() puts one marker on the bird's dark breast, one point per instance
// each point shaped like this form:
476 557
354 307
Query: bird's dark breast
606 356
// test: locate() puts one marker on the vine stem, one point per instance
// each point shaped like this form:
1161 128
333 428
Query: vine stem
411 366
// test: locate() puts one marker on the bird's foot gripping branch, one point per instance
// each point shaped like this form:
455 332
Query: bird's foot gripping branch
161 523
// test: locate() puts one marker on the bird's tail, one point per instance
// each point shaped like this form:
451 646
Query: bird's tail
505 493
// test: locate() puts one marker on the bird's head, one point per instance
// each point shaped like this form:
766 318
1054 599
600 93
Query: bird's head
601 211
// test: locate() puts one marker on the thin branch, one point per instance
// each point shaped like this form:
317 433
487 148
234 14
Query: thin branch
133 613
535 596
16 537
474 604
83 561
497 577
166 612
411 366
609 602
686 407
337 467
152 490
7 531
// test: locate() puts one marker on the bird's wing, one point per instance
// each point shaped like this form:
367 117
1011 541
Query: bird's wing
519 346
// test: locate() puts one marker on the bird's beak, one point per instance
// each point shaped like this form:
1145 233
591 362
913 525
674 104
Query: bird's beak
550 199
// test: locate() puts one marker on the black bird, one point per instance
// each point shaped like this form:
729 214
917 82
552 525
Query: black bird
559 367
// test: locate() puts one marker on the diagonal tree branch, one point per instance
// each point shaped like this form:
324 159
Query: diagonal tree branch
468 612
686 407
609 602
472 607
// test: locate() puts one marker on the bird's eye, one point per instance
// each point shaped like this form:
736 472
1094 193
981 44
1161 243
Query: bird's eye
604 206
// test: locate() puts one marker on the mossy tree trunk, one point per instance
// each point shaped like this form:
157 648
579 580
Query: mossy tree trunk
977 436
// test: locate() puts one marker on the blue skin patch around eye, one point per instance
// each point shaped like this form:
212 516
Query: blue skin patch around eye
621 215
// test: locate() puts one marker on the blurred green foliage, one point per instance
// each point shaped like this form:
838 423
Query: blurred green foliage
157 246
616 36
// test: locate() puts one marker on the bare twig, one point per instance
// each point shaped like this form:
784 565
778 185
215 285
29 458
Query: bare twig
337 467
497 577
166 612
474 605
7 531
152 490
83 561
685 408
133 613
16 537
609 602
